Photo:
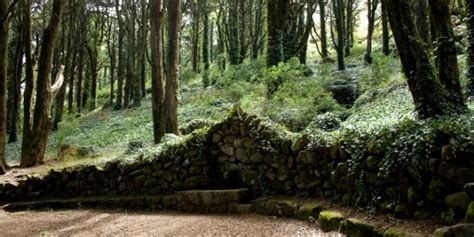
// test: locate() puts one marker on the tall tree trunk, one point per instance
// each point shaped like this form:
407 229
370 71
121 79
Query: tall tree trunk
171 89
338 8
323 34
121 57
205 43
34 150
421 16
470 48
3 81
277 11
385 31
29 75
446 55
371 9
233 33
195 35
157 94
431 97
14 84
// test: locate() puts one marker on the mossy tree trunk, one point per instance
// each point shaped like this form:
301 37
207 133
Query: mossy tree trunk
431 95
372 8
277 11
32 153
172 80
470 48
205 42
157 93
323 33
15 66
445 50
385 30
338 8
121 57
3 81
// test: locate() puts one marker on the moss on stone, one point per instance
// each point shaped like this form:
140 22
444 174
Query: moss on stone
308 210
470 213
458 202
289 208
330 220
395 232
357 228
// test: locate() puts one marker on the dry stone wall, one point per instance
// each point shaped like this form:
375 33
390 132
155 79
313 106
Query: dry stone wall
244 151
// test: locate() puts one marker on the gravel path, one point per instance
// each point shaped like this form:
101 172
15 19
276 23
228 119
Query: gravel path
112 223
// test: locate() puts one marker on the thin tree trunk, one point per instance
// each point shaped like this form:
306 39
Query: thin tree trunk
323 36
3 81
371 9
205 43
33 152
14 87
385 31
121 57
470 48
171 89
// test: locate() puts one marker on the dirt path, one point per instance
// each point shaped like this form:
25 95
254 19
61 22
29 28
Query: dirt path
112 223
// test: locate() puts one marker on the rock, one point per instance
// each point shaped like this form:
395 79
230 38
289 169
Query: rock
283 173
286 147
439 188
249 177
228 149
134 147
151 183
304 157
469 189
139 181
256 158
270 174
394 232
458 202
413 196
461 230
241 154
372 163
356 228
147 170
300 143
216 137
330 221
470 213
459 175
169 137
308 210
344 91
401 212
289 208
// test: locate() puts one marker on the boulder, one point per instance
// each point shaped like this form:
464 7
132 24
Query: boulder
458 202
470 213
308 210
461 230
469 189
330 220
459 175
356 228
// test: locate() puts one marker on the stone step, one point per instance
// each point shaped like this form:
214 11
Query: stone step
207 201
201 201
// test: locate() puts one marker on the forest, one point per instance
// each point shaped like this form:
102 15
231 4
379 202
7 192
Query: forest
362 104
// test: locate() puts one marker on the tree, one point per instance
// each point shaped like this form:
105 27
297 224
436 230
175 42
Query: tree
3 81
277 11
35 140
338 8
433 94
470 48
121 57
171 89
385 31
157 98
205 41
372 8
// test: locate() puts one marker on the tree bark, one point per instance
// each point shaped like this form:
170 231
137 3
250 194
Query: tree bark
14 83
372 8
205 43
35 147
3 81
338 8
171 89
430 96
157 94
121 58
445 50
470 48
385 30
323 33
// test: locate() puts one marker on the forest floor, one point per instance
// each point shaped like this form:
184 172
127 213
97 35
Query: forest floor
112 223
